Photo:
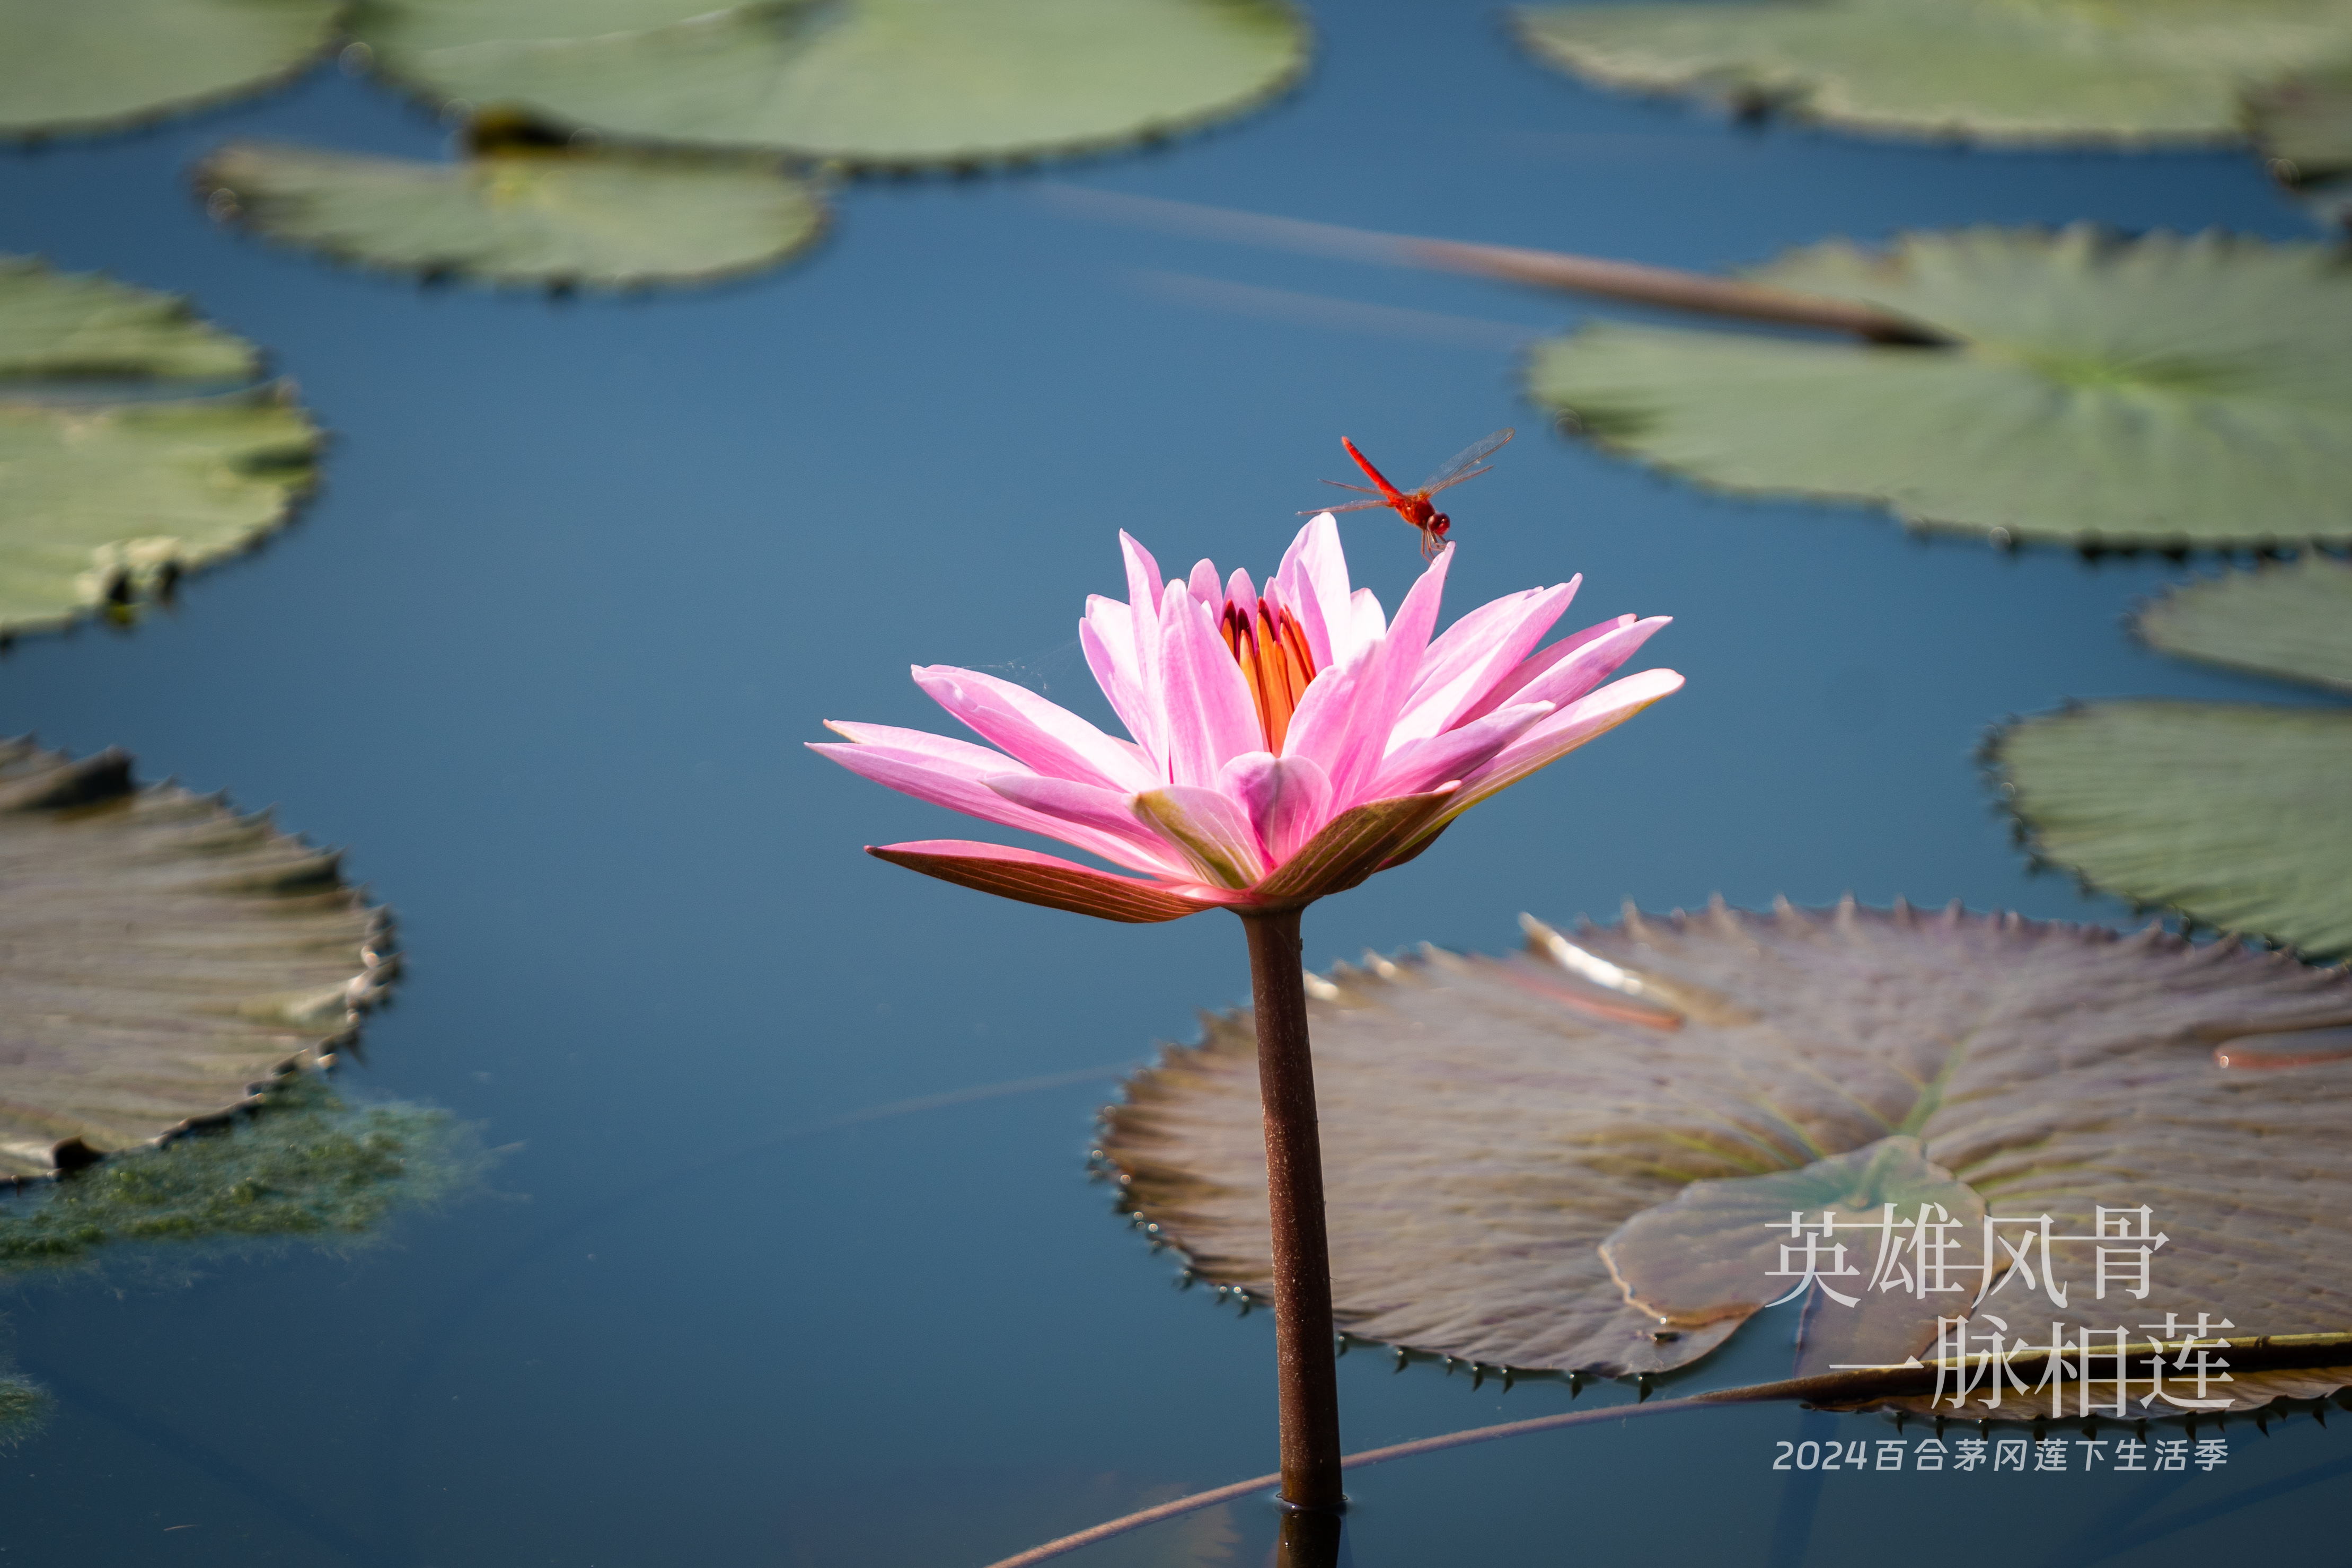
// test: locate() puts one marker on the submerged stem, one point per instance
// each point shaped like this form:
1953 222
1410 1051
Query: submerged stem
1306 1374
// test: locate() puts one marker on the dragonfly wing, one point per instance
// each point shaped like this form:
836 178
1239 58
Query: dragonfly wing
1435 486
1361 490
1455 469
1345 506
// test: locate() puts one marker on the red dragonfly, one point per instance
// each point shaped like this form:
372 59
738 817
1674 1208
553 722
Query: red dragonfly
1413 505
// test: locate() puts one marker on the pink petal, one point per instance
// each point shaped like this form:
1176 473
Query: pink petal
1288 799
1046 737
1419 765
1206 585
1369 625
959 789
1102 810
1144 590
1344 718
1034 879
962 756
1587 667
1314 579
1352 846
1213 833
1108 639
1477 653
1239 590
1205 701
1570 727
1508 689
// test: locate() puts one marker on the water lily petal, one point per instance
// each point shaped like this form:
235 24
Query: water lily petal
1419 765
1102 810
1571 678
1034 879
1143 592
1314 580
1047 738
1107 637
1213 831
1205 584
1344 718
1207 712
1508 689
971 760
942 784
1288 799
1352 846
1569 728
1475 654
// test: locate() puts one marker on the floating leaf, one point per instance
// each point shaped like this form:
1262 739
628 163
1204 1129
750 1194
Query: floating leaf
76 66
1488 1123
900 82
22 1405
2292 621
2305 123
107 502
66 324
304 1163
2232 813
2036 72
163 958
2163 391
605 219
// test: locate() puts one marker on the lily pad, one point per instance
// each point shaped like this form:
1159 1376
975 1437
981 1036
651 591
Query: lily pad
557 216
85 65
22 1405
2014 71
2293 621
2230 813
164 957
105 502
305 1163
2305 124
2166 391
1488 1124
70 325
895 82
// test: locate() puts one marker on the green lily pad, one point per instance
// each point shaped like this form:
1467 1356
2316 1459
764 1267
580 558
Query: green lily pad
164 958
2231 813
1489 1125
2165 391
75 325
103 503
2023 72
602 219
83 65
894 82
2293 621
2305 124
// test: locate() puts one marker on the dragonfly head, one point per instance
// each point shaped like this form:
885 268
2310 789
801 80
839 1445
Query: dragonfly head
1433 531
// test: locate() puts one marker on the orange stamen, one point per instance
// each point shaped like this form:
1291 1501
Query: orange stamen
1271 647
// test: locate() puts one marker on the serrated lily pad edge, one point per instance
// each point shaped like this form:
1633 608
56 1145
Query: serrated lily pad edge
817 161
2024 837
380 965
202 181
331 41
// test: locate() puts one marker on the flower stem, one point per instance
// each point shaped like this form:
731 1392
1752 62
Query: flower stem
1307 1375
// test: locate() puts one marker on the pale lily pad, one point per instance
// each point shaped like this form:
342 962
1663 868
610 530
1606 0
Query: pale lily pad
2293 621
2018 71
2165 391
2305 124
76 325
1487 1124
589 217
103 503
894 82
2234 814
70 67
164 958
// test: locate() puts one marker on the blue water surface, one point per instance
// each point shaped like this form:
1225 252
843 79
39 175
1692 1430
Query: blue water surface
585 575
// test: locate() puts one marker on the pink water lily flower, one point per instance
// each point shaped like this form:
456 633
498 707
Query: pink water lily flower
1288 741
